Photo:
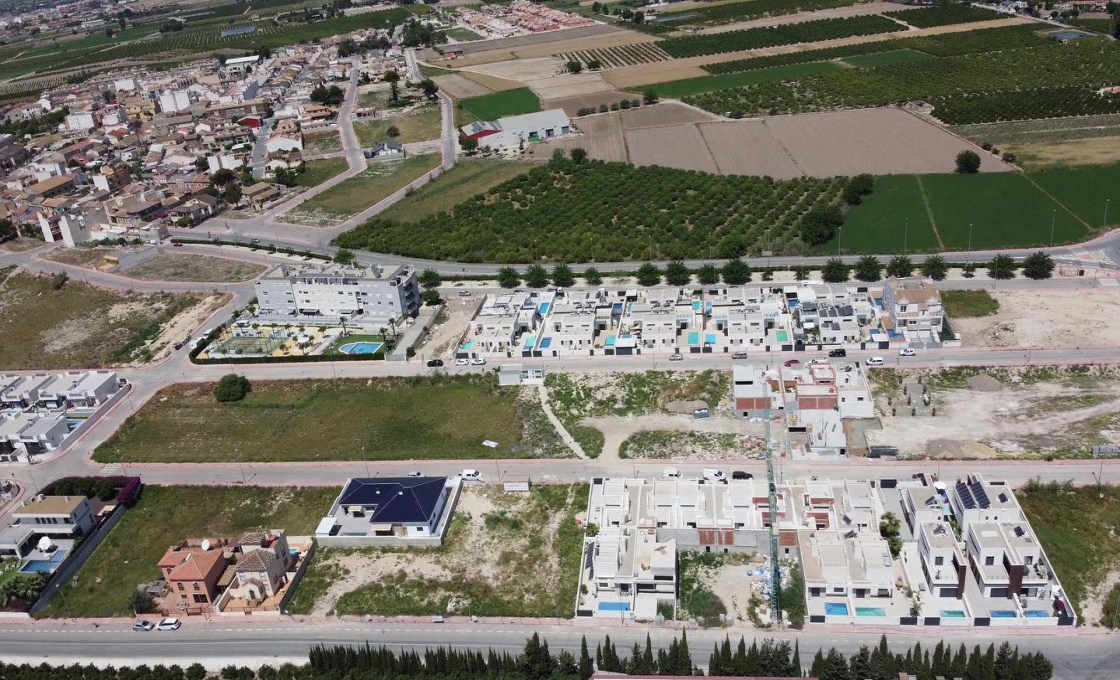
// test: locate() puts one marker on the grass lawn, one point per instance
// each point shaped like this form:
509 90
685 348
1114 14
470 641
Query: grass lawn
499 104
964 304
886 58
1005 209
467 179
166 514
317 172
1084 190
419 126
78 325
1079 530
877 224
348 198
308 420
462 34
684 88
496 541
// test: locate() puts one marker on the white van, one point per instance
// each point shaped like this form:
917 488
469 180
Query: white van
714 475
672 473
471 475
874 361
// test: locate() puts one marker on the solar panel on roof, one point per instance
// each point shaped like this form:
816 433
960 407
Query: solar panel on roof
980 495
965 495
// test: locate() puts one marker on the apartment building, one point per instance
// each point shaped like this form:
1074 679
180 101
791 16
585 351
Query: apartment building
359 294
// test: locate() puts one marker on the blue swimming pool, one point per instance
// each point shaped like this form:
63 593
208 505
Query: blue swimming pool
609 342
835 609
43 566
952 614
530 341
1037 614
1069 35
543 308
614 606
467 346
693 339
360 347
870 611
709 339
1003 614
546 343
696 305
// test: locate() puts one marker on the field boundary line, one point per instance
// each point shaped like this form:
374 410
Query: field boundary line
792 158
1063 206
929 211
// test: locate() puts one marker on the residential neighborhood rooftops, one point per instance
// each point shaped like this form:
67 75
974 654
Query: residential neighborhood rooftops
50 505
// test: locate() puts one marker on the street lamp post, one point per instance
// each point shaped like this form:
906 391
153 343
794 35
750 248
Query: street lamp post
1104 223
1053 221
905 234
970 241
839 234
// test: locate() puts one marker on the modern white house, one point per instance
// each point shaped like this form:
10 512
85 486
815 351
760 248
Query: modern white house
56 517
390 511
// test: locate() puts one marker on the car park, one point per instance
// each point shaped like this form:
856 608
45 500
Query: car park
435 363
739 474
462 362
907 352
838 353
169 624
874 361
143 626
478 361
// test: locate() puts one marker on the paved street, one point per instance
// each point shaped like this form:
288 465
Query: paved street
1087 656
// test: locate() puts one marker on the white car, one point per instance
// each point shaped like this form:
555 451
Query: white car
169 624
672 473
907 352
471 475
874 361
416 473
714 475
462 362
478 361
819 360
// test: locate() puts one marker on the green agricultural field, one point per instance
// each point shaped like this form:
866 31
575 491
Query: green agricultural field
166 514
469 178
1084 191
350 197
885 58
462 35
420 125
506 103
878 224
317 172
684 88
308 420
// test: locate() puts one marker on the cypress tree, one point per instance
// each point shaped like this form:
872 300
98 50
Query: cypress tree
817 669
585 666
795 662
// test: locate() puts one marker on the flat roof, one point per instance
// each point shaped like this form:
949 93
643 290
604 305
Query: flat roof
50 505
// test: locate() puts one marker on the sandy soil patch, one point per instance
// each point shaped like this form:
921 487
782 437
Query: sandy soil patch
569 85
520 70
1050 318
89 258
617 429
572 105
800 17
187 322
601 137
666 113
460 87
491 83
1092 606
1098 150
569 42
735 586
174 267
678 69
748 149
443 336
675 146
21 244
882 141
477 46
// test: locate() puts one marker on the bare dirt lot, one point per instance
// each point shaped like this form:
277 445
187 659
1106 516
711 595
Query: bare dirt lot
999 412
667 113
520 70
800 17
1046 318
21 244
460 87
174 267
673 146
571 85
567 41
491 83
745 149
537 39
602 139
572 105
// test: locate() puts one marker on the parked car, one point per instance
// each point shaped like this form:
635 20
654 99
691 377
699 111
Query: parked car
907 352
676 356
792 363
739 474
255 241
698 413
143 626
874 361
435 363
416 473
739 355
471 476
837 353
462 362
714 475
437 618
182 343
819 360
169 624
672 473
177 245
464 293
478 361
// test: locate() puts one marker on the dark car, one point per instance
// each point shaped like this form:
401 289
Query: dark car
435 363
838 353
739 474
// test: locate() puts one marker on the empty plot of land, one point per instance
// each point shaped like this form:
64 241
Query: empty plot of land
568 85
748 149
602 139
572 105
173 267
801 17
669 113
1098 151
520 70
460 87
1051 318
882 141
536 39
675 146
602 40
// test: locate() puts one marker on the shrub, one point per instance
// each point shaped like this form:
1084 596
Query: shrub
648 274
835 271
820 224
232 387
59 280
1038 266
968 163
1001 267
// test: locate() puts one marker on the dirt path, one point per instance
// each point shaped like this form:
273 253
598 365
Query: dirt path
617 429
570 441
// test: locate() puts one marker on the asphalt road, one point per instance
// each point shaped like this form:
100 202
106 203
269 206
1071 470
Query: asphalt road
1088 655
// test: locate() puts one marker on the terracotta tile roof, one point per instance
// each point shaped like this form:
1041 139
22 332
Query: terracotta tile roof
258 560
196 565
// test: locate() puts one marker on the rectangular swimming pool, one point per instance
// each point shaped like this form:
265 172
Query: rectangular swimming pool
614 606
835 609
783 336
609 342
1003 614
693 338
1037 614
870 611
952 614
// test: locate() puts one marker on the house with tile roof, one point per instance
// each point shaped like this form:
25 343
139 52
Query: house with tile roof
192 573
390 511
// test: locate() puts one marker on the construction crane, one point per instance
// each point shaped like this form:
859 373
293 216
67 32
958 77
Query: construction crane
775 568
